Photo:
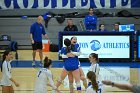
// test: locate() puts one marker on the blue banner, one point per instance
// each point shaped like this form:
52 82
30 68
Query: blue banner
68 4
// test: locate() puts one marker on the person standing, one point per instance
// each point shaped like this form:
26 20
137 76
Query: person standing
7 80
91 21
93 58
36 31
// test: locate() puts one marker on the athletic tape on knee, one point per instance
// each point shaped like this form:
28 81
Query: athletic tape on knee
78 85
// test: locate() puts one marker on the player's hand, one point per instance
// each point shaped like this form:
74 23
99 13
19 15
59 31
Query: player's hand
70 55
16 84
49 41
58 91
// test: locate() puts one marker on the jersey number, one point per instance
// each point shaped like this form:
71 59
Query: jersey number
39 73
99 91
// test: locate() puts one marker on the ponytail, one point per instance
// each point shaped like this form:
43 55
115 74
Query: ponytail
47 62
92 77
68 49
67 42
94 84
4 57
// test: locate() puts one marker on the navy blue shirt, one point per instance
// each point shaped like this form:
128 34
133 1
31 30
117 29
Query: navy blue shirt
91 22
37 30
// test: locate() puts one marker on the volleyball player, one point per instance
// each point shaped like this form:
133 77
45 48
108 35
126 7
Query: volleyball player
7 80
42 76
95 86
93 58
71 64
76 51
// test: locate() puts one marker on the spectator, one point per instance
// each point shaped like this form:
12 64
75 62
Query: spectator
91 21
102 28
116 27
70 26
36 31
132 88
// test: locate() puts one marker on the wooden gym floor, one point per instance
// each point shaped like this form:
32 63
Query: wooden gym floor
27 76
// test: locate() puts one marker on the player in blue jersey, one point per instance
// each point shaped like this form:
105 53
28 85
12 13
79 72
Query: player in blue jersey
94 85
76 48
36 32
43 75
91 21
71 64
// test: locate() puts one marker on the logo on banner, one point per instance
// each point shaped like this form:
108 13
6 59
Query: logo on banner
95 45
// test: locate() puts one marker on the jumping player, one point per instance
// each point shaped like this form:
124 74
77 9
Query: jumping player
71 64
76 51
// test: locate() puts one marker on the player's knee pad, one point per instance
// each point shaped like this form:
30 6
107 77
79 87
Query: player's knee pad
60 80
78 85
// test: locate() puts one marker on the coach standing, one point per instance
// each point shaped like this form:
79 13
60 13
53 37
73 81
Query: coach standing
36 31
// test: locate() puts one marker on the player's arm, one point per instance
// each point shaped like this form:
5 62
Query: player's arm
97 70
31 34
86 21
16 84
50 77
62 54
49 74
120 86
8 74
31 37
44 33
77 52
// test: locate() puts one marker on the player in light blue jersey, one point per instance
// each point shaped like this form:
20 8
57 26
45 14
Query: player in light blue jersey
7 80
93 58
43 75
